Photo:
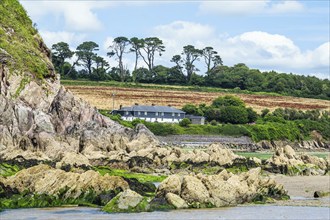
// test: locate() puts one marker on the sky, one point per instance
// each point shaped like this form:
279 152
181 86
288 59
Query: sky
285 36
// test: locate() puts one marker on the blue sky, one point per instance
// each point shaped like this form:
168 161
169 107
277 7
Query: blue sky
286 36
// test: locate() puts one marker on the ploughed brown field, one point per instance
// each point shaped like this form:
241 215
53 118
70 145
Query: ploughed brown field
101 97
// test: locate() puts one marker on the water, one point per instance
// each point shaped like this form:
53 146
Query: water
263 212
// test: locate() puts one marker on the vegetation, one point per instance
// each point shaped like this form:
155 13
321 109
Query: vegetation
228 116
141 177
20 42
112 206
184 72
8 170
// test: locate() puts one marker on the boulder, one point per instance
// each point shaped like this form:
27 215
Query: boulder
219 154
176 201
128 199
171 184
193 190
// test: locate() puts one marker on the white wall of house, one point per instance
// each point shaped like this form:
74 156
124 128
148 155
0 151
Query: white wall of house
160 120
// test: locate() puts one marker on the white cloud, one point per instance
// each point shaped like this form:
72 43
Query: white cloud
256 49
78 15
287 6
71 38
246 7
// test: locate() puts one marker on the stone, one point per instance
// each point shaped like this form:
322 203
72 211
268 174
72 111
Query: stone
171 184
128 199
176 201
193 190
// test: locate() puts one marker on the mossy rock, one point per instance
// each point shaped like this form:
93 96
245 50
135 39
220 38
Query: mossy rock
115 206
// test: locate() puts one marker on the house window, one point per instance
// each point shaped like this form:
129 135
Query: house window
126 113
173 114
178 114
156 113
145 113
139 113
162 113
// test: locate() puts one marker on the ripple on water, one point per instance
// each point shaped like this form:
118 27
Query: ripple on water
248 212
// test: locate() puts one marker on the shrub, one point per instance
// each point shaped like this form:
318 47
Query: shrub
185 122
227 100
233 115
214 122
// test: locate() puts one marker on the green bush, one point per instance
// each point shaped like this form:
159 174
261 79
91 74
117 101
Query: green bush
185 122
228 100
233 115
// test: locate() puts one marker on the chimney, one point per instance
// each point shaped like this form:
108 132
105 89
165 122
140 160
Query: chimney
120 106
136 103
153 104
169 105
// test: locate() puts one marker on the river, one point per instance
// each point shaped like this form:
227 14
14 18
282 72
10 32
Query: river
262 212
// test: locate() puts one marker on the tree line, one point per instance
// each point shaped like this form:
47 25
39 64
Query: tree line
89 65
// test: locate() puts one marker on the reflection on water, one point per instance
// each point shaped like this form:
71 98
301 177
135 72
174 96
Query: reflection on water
245 212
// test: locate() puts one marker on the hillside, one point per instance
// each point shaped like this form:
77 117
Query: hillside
100 96
40 119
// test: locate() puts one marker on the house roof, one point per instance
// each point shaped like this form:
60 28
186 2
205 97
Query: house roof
154 108
194 117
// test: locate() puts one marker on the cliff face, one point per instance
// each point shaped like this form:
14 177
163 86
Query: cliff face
39 118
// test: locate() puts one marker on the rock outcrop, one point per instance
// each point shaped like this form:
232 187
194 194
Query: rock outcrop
38 116
286 161
223 189
42 179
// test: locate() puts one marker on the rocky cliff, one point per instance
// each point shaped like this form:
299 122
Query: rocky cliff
40 119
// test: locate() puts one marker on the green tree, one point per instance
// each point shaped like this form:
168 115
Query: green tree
190 109
151 46
227 100
189 55
136 45
233 115
101 67
252 115
210 55
264 112
119 46
86 54
60 52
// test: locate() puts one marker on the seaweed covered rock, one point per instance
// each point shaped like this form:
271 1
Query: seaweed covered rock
286 161
42 179
127 201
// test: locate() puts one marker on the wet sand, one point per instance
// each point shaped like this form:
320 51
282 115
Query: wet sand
301 190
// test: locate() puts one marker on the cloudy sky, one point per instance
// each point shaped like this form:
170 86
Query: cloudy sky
286 36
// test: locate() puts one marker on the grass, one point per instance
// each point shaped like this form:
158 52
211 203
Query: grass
261 156
267 155
141 177
21 41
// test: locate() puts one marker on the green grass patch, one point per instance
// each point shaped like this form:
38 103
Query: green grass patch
261 156
319 154
141 177
20 40
8 170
